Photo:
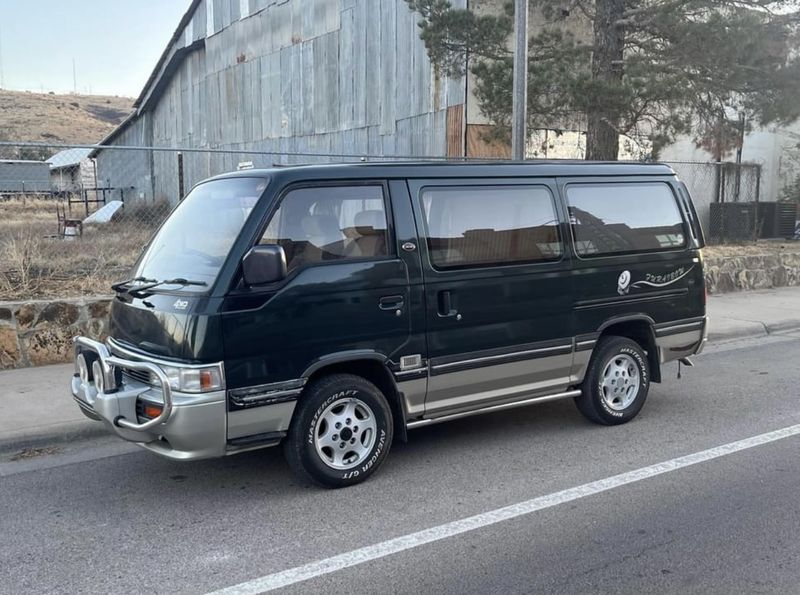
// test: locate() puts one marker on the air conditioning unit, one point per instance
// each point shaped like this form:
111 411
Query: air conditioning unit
776 219
732 221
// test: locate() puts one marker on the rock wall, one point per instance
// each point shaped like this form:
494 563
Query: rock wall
735 273
35 333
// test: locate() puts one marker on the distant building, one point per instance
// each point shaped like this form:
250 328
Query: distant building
24 177
72 170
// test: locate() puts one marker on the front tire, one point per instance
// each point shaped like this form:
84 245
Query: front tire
341 431
617 382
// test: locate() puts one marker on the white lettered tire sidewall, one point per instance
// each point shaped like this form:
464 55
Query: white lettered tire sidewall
300 449
591 403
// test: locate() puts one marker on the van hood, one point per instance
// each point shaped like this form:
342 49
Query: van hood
167 326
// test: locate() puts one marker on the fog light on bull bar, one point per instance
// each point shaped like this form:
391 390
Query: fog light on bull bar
99 377
82 368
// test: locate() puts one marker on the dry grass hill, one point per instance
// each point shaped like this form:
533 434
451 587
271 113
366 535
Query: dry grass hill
79 119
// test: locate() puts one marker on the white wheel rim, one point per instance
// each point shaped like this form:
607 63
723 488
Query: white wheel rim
345 433
620 382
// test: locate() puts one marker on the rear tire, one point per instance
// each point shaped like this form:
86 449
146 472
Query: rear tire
616 383
341 431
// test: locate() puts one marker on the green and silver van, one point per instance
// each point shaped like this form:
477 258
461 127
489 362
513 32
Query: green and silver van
333 308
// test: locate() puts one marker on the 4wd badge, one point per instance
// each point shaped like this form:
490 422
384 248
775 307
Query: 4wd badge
180 304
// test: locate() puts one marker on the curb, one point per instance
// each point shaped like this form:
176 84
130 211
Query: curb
53 435
760 329
59 434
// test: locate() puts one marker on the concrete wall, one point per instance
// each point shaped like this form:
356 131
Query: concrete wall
774 148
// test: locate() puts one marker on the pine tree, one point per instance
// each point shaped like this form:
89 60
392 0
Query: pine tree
657 68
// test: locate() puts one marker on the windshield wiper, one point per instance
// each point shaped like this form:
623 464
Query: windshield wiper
142 291
123 285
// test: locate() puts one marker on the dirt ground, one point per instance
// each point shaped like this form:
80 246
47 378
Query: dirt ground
40 117
36 263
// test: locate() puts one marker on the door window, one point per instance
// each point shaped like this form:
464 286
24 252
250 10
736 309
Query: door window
329 223
624 218
482 225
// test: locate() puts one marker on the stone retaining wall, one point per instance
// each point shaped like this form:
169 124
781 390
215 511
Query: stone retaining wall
735 273
35 333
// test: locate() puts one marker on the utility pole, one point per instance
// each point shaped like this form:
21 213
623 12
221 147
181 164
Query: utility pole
74 78
519 130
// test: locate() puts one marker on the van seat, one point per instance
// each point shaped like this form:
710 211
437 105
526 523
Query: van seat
370 227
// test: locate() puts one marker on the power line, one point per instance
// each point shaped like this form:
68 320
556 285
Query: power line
361 156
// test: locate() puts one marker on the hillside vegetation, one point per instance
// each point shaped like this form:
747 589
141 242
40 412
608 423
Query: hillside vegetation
78 119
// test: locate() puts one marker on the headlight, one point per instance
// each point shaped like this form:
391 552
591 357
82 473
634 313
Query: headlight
99 377
193 380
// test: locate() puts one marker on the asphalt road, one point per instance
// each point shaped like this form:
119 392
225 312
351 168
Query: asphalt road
103 517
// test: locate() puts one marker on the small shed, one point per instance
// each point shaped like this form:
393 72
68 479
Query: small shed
72 170
24 177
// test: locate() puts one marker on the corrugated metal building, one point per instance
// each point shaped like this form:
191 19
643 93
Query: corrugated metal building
19 176
285 76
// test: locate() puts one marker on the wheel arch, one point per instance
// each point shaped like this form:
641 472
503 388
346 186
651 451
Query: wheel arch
641 329
371 366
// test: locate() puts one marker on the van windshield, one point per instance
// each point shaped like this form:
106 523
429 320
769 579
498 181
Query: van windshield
196 238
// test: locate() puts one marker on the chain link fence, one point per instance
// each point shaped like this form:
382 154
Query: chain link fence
74 219
727 197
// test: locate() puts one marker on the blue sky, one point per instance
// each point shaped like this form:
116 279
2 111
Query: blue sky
115 43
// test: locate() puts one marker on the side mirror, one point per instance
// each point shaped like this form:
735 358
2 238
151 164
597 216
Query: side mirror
264 264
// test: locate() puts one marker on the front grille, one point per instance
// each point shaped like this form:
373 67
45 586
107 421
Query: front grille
139 375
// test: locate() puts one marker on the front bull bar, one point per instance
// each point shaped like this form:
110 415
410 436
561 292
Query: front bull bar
109 362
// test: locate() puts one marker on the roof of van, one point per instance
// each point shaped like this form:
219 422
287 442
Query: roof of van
466 169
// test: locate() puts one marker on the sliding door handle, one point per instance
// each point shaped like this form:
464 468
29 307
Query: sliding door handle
446 309
391 302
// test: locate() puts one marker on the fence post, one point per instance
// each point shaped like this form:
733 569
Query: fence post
758 224
725 217
180 176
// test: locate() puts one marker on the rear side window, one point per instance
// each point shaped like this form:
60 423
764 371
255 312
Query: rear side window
483 225
624 218
329 223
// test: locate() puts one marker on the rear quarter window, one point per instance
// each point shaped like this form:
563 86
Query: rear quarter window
624 218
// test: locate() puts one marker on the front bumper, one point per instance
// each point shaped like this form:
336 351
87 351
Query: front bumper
190 426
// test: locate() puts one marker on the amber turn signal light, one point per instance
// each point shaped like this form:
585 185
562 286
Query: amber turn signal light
152 411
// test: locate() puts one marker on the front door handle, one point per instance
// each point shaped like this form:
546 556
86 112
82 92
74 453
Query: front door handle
446 309
391 302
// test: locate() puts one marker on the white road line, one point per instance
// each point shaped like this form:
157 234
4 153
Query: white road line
485 519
